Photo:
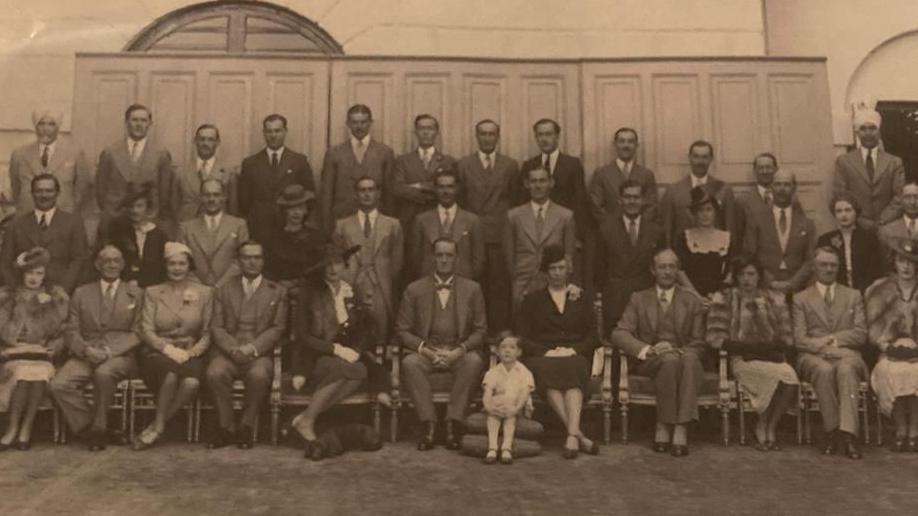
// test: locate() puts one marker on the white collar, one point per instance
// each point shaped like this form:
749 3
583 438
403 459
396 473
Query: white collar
144 228
696 181
822 288
365 141
482 156
49 146
865 151
372 214
627 220
206 165
451 211
908 219
777 210
669 293
142 142
762 190
622 164
552 158
254 283
503 369
104 284
216 218
429 151
49 215
279 151
535 207
447 281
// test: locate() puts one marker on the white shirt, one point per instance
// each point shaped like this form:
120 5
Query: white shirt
271 152
250 286
536 206
511 384
637 223
48 215
206 165
846 237
213 221
344 291
625 166
49 146
552 161
136 147
426 154
443 295
140 234
483 157
355 142
559 297
450 212
866 152
362 218
782 237
822 289
104 284
698 181
910 224
668 293
763 191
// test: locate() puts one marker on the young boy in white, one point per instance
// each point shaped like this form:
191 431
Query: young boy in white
507 388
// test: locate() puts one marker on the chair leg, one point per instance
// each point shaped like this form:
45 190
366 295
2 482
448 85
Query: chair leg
740 404
393 422
377 418
725 423
56 425
275 422
866 411
807 429
879 426
799 423
189 425
607 424
624 412
124 409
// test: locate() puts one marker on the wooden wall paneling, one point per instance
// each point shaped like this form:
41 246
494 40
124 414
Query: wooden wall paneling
172 99
736 122
678 123
230 104
612 101
110 93
485 96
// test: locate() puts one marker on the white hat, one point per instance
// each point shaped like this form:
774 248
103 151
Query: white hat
46 112
866 117
175 249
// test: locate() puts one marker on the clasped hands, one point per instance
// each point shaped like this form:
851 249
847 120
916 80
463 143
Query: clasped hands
442 358
95 355
560 352
830 348
176 352
661 348
243 354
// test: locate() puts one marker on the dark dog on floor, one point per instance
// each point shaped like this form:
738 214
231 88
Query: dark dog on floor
335 441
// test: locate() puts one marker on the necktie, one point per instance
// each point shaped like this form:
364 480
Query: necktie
488 164
42 221
911 226
664 302
426 157
360 151
540 222
632 231
211 224
626 170
769 198
45 157
110 291
108 302
546 164
446 224
274 159
782 221
247 288
366 226
828 296
134 151
869 165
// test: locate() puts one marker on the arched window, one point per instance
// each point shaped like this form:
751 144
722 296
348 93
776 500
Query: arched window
234 26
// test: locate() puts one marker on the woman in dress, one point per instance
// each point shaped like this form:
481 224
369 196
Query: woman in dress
753 325
175 330
892 310
32 316
558 332
294 246
703 250
334 346
139 239
856 246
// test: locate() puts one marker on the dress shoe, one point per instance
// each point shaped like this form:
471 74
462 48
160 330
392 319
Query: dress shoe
310 447
851 450
773 446
898 445
24 445
428 432
570 453
592 449
506 457
96 441
245 438
452 435
221 438
4 447
679 450
491 456
912 445
828 446
115 437
660 447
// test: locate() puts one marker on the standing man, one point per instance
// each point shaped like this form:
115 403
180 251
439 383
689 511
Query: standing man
674 207
532 226
250 315
829 329
663 330
490 187
136 160
265 174
782 237
874 176
764 167
203 166
101 340
49 155
905 226
441 325
58 231
450 221
374 269
214 236
606 181
360 156
413 184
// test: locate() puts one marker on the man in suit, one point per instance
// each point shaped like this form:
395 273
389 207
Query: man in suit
532 226
627 240
214 236
782 237
413 182
265 174
49 155
674 207
137 159
359 156
764 167
857 246
250 315
829 330
606 181
61 233
905 226
448 220
377 265
490 187
441 325
663 329
871 174
100 337
203 166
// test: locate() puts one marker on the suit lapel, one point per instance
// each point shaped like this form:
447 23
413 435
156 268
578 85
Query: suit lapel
653 310
527 221
462 303
839 305
882 164
857 161
678 312
426 304
123 159
34 159
552 219
58 157
95 301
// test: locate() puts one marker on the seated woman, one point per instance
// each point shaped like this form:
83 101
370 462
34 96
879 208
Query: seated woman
334 351
558 334
138 238
703 250
856 246
175 330
32 316
753 324
892 309
294 246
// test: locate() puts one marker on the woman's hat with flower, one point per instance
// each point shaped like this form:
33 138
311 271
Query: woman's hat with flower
33 258
906 248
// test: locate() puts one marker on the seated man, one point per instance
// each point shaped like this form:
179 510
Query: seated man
250 313
101 340
829 327
441 324
663 328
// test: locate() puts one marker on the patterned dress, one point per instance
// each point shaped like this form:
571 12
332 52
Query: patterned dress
892 316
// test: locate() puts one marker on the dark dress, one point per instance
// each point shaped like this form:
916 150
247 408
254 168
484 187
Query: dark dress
543 328
289 254
706 268
149 270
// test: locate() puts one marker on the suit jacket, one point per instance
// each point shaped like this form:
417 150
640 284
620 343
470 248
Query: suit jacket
761 240
746 203
388 250
188 187
542 327
604 185
523 248
64 238
674 206
341 170
866 266
410 169
638 326
415 313
90 325
168 315
844 320
270 300
878 199
148 268
116 170
569 190
68 164
894 229
260 184
214 253
466 232
490 195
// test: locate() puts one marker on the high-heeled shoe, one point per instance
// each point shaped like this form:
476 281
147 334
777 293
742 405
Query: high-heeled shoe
570 453
898 445
309 448
592 449
4 447
913 444
24 445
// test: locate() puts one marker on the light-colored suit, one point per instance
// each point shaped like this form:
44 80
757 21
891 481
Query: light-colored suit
95 322
188 187
836 379
465 231
376 266
214 253
340 171
674 206
604 190
761 240
893 230
67 163
878 198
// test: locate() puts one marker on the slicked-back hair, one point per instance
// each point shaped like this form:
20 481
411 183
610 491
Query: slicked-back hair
273 117
136 107
555 125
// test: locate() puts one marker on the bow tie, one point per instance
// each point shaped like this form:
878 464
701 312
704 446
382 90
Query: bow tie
443 286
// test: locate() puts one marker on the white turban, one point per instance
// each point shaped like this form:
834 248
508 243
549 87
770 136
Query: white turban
45 112
175 249
865 117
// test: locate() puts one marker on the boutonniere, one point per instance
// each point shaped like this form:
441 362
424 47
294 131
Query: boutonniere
803 232
132 306
837 242
573 292
43 297
233 235
289 170
189 297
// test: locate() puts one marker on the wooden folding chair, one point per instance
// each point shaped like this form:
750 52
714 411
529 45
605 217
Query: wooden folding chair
119 403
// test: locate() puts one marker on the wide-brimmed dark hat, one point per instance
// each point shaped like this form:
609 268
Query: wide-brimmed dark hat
906 248
294 195
334 251
33 258
136 191
700 197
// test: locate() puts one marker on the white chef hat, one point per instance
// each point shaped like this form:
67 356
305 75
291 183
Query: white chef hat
866 116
